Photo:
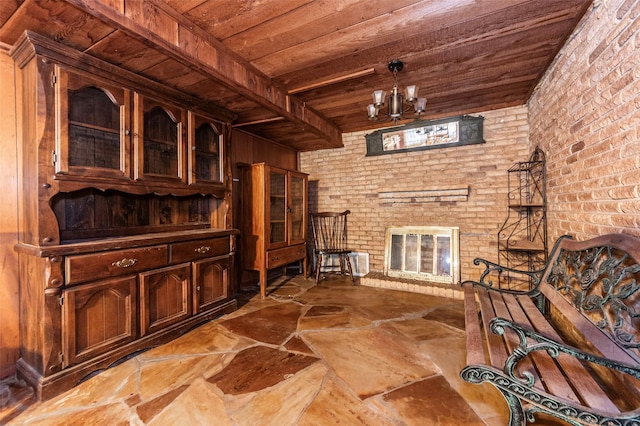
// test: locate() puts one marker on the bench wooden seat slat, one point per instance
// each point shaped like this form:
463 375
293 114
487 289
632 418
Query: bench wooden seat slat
583 383
553 379
495 344
475 347
509 336
588 292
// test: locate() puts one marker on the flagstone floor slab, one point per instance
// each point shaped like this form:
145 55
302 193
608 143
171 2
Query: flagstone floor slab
335 353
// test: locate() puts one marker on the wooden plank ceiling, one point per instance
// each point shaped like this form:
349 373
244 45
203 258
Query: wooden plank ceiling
301 72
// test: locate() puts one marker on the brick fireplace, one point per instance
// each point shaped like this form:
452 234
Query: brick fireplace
420 259
424 253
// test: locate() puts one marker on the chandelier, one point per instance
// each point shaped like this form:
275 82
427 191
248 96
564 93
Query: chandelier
396 111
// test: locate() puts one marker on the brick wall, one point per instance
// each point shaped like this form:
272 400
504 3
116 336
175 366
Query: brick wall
585 113
345 178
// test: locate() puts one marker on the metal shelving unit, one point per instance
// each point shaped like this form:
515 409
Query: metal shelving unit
522 239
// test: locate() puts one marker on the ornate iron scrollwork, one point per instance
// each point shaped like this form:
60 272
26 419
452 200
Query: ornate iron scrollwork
494 270
603 284
553 348
524 399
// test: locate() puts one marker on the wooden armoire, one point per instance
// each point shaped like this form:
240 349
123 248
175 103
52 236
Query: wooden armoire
274 219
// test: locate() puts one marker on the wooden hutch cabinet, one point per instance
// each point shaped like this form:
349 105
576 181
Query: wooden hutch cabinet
126 238
274 219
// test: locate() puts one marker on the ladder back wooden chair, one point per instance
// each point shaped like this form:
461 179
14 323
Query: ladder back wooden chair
329 231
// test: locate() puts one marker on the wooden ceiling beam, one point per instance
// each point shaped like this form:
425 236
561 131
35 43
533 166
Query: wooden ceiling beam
161 28
334 80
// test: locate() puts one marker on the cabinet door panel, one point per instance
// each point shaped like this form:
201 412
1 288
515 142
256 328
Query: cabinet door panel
211 281
98 317
93 119
158 139
205 148
165 297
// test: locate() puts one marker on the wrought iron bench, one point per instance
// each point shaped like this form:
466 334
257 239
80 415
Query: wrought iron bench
569 347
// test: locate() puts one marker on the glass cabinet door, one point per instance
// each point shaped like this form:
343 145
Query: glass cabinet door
297 208
159 146
205 147
277 214
93 139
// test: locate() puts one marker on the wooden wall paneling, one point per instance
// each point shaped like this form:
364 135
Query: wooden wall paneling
9 323
247 148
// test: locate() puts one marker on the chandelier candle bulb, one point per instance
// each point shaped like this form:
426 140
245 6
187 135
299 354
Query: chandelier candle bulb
372 111
420 105
411 93
378 97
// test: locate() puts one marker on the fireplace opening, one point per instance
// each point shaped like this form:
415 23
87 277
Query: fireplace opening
427 253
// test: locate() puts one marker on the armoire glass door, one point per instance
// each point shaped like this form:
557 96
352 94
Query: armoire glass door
277 207
297 215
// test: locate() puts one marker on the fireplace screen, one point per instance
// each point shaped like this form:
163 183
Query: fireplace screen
424 253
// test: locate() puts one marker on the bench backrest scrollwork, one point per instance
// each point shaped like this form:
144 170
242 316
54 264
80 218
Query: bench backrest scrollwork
601 279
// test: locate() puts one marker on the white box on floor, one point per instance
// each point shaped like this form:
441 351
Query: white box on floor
359 263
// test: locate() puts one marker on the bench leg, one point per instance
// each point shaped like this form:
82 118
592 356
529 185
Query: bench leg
478 374
516 413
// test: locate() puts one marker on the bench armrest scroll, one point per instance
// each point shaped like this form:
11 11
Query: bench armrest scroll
494 270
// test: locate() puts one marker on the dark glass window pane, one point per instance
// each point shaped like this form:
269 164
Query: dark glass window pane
207 153
426 254
277 207
277 232
160 143
91 105
444 255
94 129
396 253
411 253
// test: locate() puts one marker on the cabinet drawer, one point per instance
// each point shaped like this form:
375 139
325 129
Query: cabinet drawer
286 255
194 250
101 265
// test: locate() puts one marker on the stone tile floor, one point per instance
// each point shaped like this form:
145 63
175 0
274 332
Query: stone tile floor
306 355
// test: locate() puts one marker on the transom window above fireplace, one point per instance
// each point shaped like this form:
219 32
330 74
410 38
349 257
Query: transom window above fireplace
428 253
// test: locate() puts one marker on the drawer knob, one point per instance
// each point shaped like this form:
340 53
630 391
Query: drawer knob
203 249
124 263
